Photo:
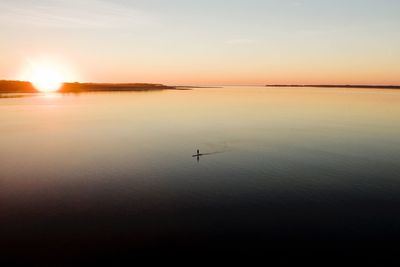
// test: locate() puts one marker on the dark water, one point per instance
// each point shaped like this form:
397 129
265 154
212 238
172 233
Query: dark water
113 172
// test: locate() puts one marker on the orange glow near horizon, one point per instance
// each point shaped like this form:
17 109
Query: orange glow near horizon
46 79
48 71
46 75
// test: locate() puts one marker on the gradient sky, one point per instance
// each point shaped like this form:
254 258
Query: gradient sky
205 41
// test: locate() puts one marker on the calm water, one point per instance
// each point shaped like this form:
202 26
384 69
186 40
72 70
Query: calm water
115 169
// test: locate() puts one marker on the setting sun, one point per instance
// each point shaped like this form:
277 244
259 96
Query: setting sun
47 73
46 79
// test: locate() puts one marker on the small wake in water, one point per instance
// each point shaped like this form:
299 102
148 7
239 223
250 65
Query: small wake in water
208 154
213 153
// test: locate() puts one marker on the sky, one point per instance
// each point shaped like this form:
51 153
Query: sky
204 42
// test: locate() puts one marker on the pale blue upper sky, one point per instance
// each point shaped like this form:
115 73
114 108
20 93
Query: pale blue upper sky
207 41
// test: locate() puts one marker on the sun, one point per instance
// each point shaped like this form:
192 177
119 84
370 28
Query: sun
47 73
46 78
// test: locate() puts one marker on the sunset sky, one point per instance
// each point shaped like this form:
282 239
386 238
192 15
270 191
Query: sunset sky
204 42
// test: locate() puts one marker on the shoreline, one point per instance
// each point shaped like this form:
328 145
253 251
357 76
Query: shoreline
338 86
21 87
13 87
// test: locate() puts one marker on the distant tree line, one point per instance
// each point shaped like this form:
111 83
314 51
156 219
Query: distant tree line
27 87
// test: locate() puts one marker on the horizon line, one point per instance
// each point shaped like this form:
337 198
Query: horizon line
216 84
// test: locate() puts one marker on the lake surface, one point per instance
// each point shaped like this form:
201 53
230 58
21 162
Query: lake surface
286 165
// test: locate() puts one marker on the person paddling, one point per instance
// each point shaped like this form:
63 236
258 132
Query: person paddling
198 154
